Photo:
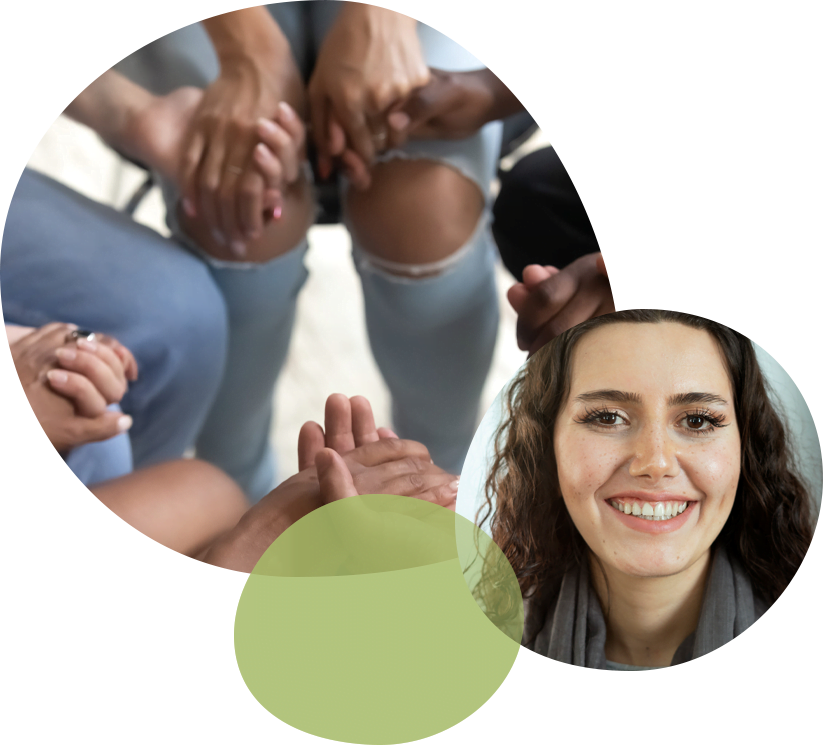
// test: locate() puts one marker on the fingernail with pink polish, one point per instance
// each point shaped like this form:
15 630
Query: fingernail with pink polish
277 212
89 346
238 248
188 207
219 237
454 484
124 423
399 120
66 353
286 111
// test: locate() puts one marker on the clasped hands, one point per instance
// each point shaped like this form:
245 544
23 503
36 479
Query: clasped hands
352 456
70 382
236 149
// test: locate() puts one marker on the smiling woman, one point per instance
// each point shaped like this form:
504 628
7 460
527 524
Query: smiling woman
644 491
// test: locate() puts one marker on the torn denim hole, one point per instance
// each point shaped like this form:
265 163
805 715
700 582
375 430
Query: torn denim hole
401 273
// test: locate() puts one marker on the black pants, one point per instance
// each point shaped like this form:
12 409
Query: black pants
538 217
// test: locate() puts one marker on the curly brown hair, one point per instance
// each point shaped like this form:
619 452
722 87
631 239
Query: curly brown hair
770 525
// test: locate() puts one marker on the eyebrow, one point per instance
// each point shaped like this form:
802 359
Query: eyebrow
678 399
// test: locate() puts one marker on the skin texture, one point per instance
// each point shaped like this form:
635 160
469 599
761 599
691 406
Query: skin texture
651 584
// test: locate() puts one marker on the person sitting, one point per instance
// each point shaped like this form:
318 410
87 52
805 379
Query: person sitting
428 284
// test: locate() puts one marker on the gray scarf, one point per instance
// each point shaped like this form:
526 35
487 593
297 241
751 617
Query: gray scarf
573 629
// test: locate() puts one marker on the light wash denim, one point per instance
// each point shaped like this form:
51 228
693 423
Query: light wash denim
432 338
67 258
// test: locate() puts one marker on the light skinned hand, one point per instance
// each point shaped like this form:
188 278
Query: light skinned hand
370 61
69 406
157 133
220 179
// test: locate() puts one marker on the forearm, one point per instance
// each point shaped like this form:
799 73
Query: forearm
108 105
15 333
374 16
248 34
503 102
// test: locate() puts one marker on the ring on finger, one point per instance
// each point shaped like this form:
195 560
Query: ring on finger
81 334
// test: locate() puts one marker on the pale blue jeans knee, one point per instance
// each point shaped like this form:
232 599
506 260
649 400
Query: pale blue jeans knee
67 258
433 339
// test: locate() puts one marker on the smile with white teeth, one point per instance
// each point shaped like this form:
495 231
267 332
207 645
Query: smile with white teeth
650 510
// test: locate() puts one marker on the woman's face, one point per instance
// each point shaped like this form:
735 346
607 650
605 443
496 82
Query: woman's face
647 446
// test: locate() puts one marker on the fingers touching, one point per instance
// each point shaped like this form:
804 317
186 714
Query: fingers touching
349 425
335 479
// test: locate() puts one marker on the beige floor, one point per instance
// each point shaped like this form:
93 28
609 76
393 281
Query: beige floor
327 332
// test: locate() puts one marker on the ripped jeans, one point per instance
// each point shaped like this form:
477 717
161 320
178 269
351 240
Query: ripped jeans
432 335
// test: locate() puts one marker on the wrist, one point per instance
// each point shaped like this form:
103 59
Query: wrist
374 16
133 134
503 102
15 333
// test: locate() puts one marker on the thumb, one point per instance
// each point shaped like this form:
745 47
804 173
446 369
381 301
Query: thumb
103 427
335 480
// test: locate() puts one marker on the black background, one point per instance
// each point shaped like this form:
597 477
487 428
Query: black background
702 120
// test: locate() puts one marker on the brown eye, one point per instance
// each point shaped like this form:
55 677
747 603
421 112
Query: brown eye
607 418
695 422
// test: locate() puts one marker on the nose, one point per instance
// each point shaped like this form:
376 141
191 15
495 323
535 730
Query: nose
655 455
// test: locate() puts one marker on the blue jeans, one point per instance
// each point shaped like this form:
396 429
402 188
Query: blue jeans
67 258
432 339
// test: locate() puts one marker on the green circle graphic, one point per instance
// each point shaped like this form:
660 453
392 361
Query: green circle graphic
378 619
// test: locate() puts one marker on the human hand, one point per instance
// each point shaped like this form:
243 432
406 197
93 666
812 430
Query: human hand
349 427
370 61
70 403
452 105
225 183
387 466
550 301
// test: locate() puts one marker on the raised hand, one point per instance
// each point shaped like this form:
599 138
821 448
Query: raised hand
349 425
393 466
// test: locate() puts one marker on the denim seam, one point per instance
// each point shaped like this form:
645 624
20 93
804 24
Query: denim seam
368 263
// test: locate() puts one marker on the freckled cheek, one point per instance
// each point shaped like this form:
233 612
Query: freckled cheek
584 465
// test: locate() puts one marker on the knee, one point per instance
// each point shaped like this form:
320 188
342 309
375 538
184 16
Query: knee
221 502
415 212
185 326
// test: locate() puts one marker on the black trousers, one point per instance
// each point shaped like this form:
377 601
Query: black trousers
538 216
